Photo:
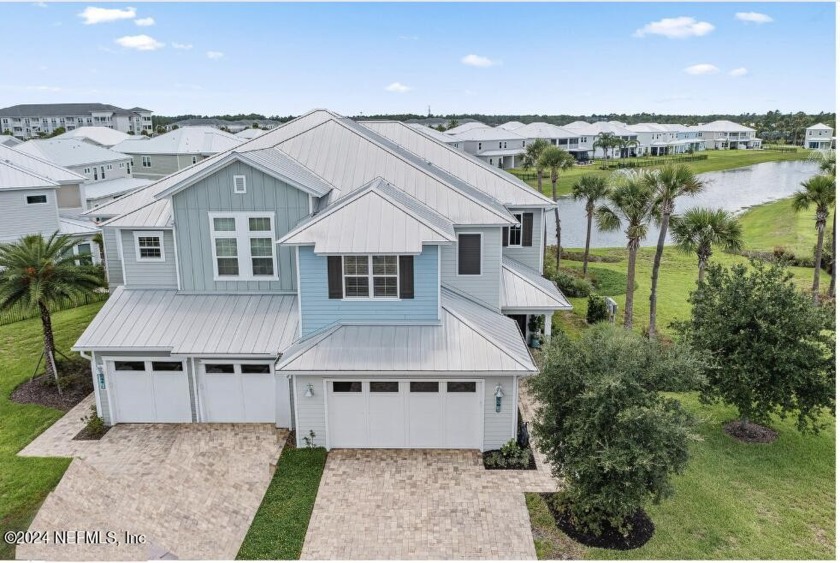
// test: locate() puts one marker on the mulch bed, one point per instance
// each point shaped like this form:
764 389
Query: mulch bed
752 434
532 463
610 538
77 384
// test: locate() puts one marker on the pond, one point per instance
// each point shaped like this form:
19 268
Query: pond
734 190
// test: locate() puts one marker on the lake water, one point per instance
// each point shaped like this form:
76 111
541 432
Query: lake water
734 190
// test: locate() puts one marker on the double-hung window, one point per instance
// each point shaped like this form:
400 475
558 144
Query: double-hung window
515 232
374 276
243 246
149 246
147 161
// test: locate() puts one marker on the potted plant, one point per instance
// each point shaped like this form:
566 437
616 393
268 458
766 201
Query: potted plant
535 329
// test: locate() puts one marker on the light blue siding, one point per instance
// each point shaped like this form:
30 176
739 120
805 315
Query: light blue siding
484 288
318 310
530 255
498 426
215 193
149 274
113 263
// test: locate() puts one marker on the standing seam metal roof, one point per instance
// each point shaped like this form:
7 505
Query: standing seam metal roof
524 288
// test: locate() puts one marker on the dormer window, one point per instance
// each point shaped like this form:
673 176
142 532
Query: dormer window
374 276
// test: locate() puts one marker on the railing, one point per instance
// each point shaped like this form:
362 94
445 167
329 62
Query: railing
17 313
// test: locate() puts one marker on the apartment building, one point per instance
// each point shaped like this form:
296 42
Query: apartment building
28 121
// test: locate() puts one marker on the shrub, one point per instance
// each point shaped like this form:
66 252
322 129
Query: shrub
94 425
596 310
572 286
510 456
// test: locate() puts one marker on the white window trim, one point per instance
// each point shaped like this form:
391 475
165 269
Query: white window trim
27 196
144 159
159 234
510 231
480 255
244 185
243 251
370 276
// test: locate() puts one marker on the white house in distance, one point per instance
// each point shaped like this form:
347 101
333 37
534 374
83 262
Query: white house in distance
818 137
27 121
100 136
724 134
162 155
494 145
657 139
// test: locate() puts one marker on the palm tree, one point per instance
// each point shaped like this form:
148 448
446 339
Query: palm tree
819 191
556 159
592 189
631 202
669 182
625 144
604 141
531 159
698 230
828 165
37 273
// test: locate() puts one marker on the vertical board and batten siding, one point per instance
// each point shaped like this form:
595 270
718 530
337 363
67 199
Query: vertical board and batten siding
191 208
310 412
486 287
530 255
498 426
151 274
113 264
318 310
20 218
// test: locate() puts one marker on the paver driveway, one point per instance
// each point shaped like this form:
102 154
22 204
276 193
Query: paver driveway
191 489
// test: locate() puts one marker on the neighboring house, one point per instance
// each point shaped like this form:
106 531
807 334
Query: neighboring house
435 134
559 136
231 126
27 121
38 197
659 139
495 146
724 134
819 137
588 134
100 136
362 283
250 133
9 141
165 154
464 127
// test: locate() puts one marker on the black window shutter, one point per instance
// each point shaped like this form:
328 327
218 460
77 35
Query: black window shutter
406 277
527 229
334 277
505 235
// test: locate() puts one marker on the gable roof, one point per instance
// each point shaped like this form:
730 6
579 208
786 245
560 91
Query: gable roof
98 190
821 126
375 219
61 110
488 134
184 140
722 125
423 129
9 140
39 166
13 177
104 136
70 152
525 289
540 130
468 126
511 125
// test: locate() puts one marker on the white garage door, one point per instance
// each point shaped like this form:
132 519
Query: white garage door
404 414
238 392
149 391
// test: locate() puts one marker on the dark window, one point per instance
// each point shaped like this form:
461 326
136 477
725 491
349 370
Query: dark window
30 199
424 387
460 387
527 229
167 366
347 386
384 386
256 368
130 366
218 368
469 255
515 232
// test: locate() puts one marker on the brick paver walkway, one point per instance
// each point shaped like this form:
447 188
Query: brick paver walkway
191 489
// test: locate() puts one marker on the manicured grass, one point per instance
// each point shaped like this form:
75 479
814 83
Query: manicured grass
775 224
25 482
718 160
279 527
736 501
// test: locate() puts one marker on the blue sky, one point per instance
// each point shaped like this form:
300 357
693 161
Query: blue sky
393 58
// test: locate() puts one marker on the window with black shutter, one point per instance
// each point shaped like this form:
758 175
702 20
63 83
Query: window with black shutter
469 254
406 277
334 277
527 229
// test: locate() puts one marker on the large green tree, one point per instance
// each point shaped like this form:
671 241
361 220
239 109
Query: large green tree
592 190
772 351
556 160
630 204
37 273
608 434
605 141
531 159
669 182
699 230
818 192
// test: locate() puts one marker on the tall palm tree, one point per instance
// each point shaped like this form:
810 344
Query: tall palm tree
37 273
531 159
591 189
604 141
828 165
699 230
669 182
630 203
556 160
625 144
819 191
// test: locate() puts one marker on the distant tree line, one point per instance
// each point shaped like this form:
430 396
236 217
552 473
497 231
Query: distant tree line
164 120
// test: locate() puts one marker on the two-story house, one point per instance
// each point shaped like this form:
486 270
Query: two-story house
362 283
819 137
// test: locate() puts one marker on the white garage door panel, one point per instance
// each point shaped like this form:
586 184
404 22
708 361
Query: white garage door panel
425 420
134 396
387 421
233 392
260 397
142 395
463 419
172 396
222 395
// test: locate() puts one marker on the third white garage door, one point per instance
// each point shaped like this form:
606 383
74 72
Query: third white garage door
404 414
237 392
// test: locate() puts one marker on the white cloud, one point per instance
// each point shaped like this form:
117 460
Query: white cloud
182 46
740 71
45 88
753 17
145 22
397 87
40 4
139 42
93 15
478 61
215 54
676 28
703 68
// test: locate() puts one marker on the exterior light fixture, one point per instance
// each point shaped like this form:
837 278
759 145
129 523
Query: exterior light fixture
498 394
310 392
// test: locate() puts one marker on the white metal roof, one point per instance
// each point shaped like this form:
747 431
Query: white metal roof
193 324
723 125
595 129
14 177
9 140
184 140
250 133
117 186
469 125
524 289
540 130
103 136
489 134
70 152
76 227
39 166
822 126
428 131
470 338
157 213
511 125
376 219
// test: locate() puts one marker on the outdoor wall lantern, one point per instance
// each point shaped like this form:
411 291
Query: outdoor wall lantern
310 392
499 396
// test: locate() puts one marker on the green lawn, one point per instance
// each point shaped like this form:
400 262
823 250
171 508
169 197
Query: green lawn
25 482
279 527
735 501
775 224
718 160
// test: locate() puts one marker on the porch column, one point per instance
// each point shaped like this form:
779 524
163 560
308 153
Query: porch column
548 326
